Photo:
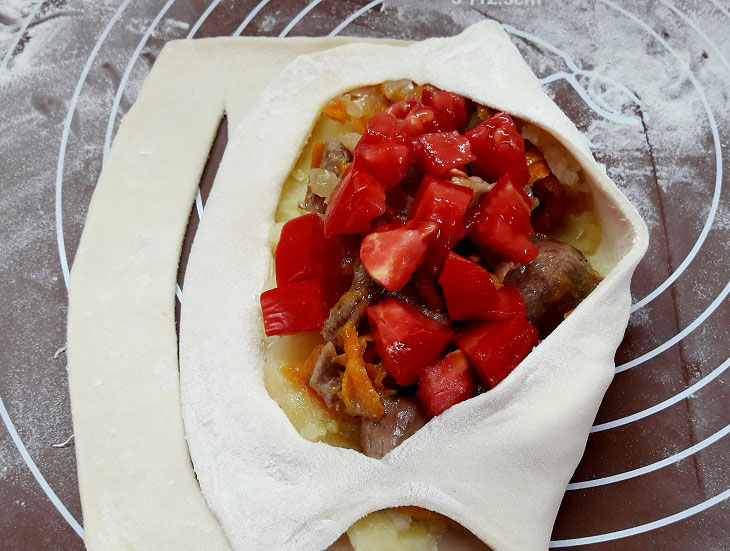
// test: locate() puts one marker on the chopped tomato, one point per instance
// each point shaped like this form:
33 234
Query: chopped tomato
446 383
509 304
468 289
502 223
384 158
445 203
405 339
300 251
293 308
495 348
391 256
451 107
499 148
400 108
355 201
471 292
439 152
419 120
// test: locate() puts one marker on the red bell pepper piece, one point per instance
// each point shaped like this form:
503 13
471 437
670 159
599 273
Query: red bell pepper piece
355 201
495 348
293 308
405 339
500 149
470 292
446 383
445 203
451 107
502 223
300 251
391 256
439 152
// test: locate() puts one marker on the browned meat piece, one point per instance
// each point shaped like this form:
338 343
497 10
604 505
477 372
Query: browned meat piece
313 203
403 417
335 157
325 379
351 306
553 284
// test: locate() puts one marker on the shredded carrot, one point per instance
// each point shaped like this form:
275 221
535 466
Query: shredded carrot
537 166
336 111
300 373
359 125
497 283
317 150
358 393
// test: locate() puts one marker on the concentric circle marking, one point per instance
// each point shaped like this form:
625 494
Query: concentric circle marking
643 528
128 71
19 35
653 466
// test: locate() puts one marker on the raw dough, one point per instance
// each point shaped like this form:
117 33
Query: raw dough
138 490
499 463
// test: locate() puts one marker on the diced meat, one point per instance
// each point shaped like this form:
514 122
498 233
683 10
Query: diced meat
313 203
403 417
552 284
325 379
351 307
335 157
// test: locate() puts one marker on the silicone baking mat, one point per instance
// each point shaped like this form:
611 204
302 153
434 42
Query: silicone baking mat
646 82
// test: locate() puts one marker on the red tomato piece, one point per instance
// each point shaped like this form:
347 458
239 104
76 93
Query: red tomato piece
446 383
405 339
392 255
293 308
502 223
355 201
445 203
419 120
509 304
388 161
300 251
469 289
495 348
401 108
499 148
439 152
451 107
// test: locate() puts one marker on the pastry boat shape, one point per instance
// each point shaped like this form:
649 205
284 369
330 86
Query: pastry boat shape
509 451
479 462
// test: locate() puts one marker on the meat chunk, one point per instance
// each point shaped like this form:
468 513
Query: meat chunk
552 284
351 306
325 379
335 157
402 418
313 203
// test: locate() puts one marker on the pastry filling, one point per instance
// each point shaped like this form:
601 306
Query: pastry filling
436 242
